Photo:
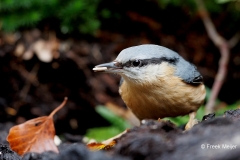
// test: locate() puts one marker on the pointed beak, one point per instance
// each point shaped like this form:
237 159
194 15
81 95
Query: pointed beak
108 67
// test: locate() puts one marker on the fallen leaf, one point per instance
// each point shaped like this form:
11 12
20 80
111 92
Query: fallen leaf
28 54
105 145
100 146
19 50
43 51
36 135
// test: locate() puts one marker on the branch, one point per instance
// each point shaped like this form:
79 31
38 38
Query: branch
224 49
234 40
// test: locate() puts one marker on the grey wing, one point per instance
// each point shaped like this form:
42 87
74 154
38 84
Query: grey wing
189 74
121 82
120 85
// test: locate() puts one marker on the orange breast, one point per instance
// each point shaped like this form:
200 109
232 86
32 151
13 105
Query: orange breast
166 96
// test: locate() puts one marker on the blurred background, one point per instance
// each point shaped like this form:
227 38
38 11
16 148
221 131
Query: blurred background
49 47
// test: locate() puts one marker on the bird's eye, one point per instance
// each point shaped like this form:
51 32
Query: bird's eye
136 63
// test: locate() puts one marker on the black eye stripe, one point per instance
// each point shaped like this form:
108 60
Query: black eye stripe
145 62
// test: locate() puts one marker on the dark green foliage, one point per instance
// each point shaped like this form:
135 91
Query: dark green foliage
85 16
213 6
176 3
71 15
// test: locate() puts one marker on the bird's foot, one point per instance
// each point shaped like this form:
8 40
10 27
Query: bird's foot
192 121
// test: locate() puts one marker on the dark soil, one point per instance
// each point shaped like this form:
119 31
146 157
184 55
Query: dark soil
214 138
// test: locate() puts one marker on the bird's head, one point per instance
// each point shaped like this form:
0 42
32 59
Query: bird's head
145 63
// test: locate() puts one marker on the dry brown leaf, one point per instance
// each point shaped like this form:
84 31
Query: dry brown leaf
100 146
47 50
28 54
43 50
36 135
107 144
19 50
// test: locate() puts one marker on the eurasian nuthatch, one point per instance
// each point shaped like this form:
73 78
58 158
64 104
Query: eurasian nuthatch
157 82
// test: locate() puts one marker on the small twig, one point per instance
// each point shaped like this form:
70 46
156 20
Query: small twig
224 48
26 74
30 79
211 30
219 79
